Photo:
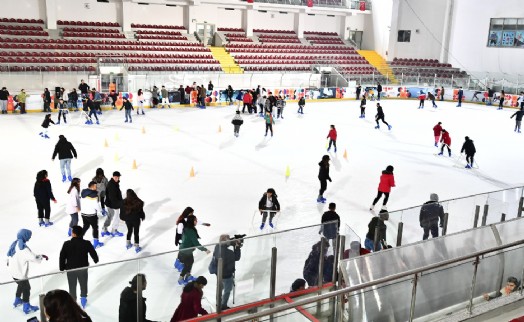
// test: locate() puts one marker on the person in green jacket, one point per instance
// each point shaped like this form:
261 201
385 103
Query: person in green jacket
269 123
21 100
187 246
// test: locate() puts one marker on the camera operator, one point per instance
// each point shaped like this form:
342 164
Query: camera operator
229 257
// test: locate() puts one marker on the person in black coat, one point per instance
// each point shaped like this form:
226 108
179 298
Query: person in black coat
114 202
83 87
229 94
380 116
379 91
47 100
73 99
323 176
65 151
128 309
460 95
133 213
430 214
330 230
359 89
88 104
518 119
43 195
268 204
45 124
229 257
373 224
311 266
470 150
74 255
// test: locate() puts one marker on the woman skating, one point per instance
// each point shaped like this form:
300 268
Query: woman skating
323 176
332 136
140 102
101 184
43 195
73 204
187 247
133 214
387 181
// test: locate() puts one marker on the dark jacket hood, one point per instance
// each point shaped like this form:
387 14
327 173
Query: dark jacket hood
386 172
89 193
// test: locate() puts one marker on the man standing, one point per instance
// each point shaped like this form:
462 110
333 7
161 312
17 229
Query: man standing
165 97
442 93
113 203
4 95
210 86
21 100
430 213
460 96
330 223
229 257
90 210
359 89
74 255
491 92
379 90
65 151
470 150
84 88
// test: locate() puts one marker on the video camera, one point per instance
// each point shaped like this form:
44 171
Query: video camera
238 240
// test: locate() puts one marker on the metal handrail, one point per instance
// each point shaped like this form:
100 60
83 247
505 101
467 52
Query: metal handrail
372 283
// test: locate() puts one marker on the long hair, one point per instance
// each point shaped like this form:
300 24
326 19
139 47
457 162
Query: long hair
99 175
75 183
41 175
139 92
61 307
190 223
132 202
184 214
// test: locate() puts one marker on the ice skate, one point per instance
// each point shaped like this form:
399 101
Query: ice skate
69 232
441 153
83 302
63 178
128 244
18 302
47 223
271 225
97 244
138 249
179 265
104 212
69 178
105 233
468 166
377 127
262 226
116 233
28 308
372 207
389 127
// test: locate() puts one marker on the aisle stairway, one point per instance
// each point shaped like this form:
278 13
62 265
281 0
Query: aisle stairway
379 63
227 62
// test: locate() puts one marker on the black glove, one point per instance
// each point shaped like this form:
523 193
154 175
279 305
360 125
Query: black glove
45 257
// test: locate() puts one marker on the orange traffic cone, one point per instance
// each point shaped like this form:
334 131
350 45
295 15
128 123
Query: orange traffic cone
192 172
345 154
219 129
143 130
106 144
134 165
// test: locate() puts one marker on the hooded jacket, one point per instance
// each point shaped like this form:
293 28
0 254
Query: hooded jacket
323 172
387 181
113 195
311 265
43 192
373 224
437 129
332 134
237 120
64 149
446 138
468 147
89 202
431 212
229 257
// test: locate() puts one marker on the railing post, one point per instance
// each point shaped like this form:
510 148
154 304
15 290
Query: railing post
521 279
413 298
521 204
220 272
503 217
320 276
476 220
473 282
445 224
340 242
43 318
273 278
376 242
139 298
485 214
399 233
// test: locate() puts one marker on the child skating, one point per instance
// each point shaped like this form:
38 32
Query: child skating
446 142
268 119
422 98
332 136
62 110
437 130
518 119
380 117
128 108
363 107
301 104
45 125
469 148
268 204
237 121
387 181
323 177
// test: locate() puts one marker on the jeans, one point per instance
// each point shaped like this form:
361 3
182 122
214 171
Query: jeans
133 227
74 220
434 232
61 113
23 290
90 221
128 114
227 285
112 219
3 105
301 109
236 128
93 112
370 245
44 209
379 195
65 167
271 215
81 278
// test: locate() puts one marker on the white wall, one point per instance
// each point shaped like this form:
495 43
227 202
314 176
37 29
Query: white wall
219 16
322 23
25 9
274 20
376 27
155 14
469 36
98 11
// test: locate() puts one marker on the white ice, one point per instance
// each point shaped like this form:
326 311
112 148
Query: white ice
230 176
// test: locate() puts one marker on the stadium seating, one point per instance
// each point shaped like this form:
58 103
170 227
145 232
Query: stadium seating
87 23
145 26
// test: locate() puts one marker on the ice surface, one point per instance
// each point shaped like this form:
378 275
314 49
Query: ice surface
230 176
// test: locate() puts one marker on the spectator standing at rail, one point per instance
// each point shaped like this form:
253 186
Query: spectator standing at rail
359 89
84 88
501 99
165 97
430 214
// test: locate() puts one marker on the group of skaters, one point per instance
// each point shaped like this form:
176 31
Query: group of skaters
443 136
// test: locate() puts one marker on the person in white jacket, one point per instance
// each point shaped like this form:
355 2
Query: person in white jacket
90 210
73 203
18 258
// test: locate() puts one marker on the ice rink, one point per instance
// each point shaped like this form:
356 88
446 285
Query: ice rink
231 175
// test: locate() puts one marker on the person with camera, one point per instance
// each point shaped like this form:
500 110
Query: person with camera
229 257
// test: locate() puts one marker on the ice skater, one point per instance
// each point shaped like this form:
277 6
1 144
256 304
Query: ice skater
90 210
128 107
518 119
332 136
446 142
460 95
237 121
387 181
432 99
133 214
469 148
323 177
43 194
188 245
437 130
45 124
114 202
268 118
268 204
422 98
281 103
140 102
501 99
180 222
363 107
73 204
62 110
65 151
380 117
89 105
301 104
101 185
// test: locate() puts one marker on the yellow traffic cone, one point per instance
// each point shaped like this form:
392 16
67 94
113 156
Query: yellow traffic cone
192 172
288 172
134 165
106 144
143 130
219 129
345 154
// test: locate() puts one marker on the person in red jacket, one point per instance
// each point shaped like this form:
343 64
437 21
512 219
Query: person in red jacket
422 98
248 100
437 129
446 142
190 305
332 135
387 180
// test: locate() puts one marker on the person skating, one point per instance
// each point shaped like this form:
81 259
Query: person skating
380 117
446 142
237 122
248 101
432 99
268 204
191 301
89 105
188 245
113 202
180 223
358 91
101 185
140 102
133 214
281 104
460 95
376 222
65 151
43 194
128 108
73 204
323 177
501 100
268 119
379 91
129 302
518 119
330 223
437 130
74 254
62 110
90 211
301 104
332 136
18 258
363 107
430 214
422 98
45 124
469 148
387 181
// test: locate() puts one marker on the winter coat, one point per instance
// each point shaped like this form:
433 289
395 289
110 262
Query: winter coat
519 115
437 129
43 192
373 224
133 215
73 203
4 95
237 120
73 96
330 230
203 92
190 240
84 88
445 138
422 97
190 305
363 102
430 213
229 257
302 101
89 202
64 149
97 96
263 200
323 171
140 98
247 99
21 97
18 264
128 309
387 181
379 88
269 119
127 105
310 271
74 254
46 122
460 93
273 100
210 87
47 97
468 147
229 92
182 92
113 195
163 91
431 96
101 186
380 112
332 134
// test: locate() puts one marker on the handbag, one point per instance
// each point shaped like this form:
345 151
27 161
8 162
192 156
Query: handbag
213 266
